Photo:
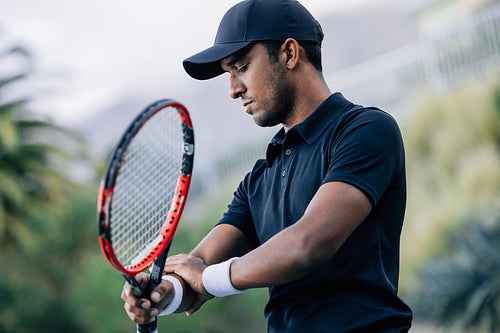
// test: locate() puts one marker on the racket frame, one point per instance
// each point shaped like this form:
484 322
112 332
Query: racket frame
159 253
112 171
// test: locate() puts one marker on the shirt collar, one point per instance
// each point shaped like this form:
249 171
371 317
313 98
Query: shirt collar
312 127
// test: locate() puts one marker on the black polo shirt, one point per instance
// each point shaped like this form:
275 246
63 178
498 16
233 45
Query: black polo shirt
357 289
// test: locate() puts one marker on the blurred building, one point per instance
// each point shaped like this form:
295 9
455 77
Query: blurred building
442 15
458 42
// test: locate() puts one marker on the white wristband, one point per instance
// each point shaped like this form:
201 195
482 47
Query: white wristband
217 279
178 293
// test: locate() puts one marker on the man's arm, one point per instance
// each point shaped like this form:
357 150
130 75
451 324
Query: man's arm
335 211
223 242
333 214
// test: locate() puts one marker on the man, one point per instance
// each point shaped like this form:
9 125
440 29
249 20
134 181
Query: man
318 221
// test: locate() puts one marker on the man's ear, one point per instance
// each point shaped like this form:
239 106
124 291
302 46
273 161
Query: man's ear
291 50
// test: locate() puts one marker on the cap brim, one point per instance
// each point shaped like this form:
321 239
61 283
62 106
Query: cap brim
206 64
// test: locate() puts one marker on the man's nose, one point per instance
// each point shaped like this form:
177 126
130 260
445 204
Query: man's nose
237 88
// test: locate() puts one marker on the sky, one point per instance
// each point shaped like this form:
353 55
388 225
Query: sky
90 52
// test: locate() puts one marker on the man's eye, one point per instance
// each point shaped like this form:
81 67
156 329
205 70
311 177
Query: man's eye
243 68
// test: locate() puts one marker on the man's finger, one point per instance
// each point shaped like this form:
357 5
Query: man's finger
194 307
140 315
163 292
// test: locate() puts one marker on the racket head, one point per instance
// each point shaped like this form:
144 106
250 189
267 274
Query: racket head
145 185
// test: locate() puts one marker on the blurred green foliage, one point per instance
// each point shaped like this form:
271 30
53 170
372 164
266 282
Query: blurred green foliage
30 151
25 174
460 288
453 166
451 238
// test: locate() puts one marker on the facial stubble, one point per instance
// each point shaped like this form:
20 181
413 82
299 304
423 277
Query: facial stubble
281 105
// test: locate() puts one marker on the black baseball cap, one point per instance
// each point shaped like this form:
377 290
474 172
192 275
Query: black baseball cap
250 21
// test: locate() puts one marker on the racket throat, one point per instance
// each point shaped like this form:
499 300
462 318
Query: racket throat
157 269
155 278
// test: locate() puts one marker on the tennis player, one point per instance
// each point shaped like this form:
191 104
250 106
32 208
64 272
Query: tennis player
318 221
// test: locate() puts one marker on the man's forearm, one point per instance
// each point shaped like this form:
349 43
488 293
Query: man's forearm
332 215
222 242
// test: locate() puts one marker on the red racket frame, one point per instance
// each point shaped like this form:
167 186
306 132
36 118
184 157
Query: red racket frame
108 182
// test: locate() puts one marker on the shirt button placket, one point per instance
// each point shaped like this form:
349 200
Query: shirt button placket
287 152
283 179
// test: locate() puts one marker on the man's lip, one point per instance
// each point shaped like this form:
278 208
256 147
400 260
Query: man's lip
247 106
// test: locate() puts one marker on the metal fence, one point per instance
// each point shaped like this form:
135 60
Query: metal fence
468 51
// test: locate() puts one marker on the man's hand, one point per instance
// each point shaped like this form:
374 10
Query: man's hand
140 309
190 268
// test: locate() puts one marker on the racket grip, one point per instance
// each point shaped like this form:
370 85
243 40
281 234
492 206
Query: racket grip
148 328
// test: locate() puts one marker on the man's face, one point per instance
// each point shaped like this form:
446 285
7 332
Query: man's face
266 92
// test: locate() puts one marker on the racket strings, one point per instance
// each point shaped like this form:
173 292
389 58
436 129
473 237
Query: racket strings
145 186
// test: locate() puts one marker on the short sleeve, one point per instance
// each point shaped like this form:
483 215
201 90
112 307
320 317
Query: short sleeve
238 212
367 152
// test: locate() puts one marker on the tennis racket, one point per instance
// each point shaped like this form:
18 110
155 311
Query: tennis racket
143 192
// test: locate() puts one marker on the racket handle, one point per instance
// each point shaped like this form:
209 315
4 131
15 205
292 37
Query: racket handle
156 274
136 287
148 328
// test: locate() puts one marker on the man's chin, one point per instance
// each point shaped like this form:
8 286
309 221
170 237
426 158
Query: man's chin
264 122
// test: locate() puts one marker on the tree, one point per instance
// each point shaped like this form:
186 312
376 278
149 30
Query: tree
27 174
461 287
45 219
453 166
452 228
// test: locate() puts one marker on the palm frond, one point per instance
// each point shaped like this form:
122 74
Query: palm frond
12 79
10 107
461 288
